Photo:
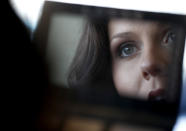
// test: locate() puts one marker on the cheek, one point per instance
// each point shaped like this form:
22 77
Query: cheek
126 79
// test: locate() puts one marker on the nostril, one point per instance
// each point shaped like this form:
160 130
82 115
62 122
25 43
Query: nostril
146 75
152 64
151 70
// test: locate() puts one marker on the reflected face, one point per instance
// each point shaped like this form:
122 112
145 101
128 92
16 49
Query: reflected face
142 53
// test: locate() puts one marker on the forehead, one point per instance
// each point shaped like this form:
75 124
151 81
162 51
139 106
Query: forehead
134 25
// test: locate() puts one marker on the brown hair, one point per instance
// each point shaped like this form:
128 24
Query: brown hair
92 59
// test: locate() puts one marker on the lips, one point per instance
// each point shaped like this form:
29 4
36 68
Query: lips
156 95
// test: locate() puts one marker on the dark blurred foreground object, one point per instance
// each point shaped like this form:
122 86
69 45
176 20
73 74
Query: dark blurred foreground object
25 75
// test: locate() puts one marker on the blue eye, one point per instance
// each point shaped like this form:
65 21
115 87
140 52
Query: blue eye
127 49
170 38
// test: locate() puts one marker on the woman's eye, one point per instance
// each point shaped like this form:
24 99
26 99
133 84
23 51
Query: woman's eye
127 49
170 38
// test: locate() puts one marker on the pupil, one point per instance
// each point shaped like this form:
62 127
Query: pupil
128 50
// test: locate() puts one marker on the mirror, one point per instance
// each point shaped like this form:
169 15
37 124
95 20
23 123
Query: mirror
106 64
140 56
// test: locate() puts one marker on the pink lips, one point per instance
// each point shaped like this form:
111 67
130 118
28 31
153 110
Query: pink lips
156 95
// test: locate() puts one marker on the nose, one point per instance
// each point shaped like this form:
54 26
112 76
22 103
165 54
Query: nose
153 63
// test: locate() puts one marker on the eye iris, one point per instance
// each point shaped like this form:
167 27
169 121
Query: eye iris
127 50
171 37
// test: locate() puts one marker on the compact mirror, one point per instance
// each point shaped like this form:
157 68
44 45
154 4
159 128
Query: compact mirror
110 69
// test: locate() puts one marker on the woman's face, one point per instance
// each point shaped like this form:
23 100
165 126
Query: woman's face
142 54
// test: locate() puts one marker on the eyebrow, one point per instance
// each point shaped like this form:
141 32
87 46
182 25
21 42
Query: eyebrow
122 34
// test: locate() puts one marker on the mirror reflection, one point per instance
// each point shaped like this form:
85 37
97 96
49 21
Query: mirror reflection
141 57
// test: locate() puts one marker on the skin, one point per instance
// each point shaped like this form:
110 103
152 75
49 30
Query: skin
142 52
